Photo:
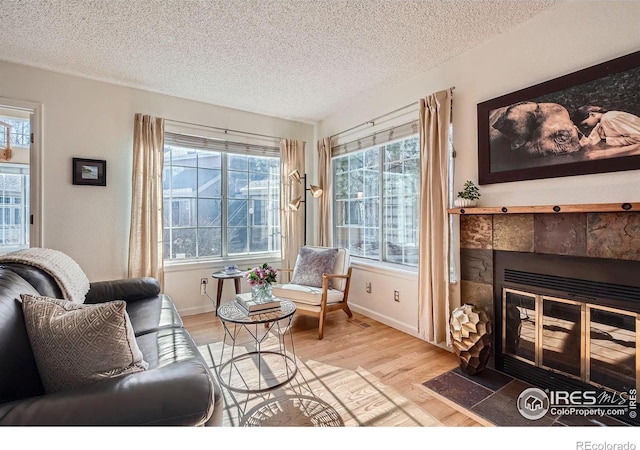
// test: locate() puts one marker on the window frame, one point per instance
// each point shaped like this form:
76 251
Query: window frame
382 240
258 151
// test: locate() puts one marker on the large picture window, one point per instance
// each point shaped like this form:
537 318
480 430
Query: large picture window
376 194
219 203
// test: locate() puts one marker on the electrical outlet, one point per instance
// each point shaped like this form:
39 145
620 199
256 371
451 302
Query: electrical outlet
203 286
368 287
396 295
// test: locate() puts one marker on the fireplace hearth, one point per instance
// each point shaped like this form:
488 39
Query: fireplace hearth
567 323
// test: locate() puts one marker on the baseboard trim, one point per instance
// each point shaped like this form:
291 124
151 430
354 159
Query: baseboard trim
195 310
405 328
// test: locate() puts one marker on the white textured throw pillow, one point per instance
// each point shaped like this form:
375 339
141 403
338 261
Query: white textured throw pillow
76 345
311 264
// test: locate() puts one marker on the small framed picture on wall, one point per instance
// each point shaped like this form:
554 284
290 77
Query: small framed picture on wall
89 172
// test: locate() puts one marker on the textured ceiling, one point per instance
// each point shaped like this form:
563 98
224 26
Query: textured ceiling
296 59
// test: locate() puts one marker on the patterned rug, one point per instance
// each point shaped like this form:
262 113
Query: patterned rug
318 395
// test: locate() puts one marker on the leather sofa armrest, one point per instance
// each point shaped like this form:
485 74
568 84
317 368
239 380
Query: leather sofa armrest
127 289
177 394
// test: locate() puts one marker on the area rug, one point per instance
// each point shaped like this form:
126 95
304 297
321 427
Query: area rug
320 395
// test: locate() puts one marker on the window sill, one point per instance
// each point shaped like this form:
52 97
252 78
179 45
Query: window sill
242 262
385 268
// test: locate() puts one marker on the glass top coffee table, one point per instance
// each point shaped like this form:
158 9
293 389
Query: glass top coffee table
257 353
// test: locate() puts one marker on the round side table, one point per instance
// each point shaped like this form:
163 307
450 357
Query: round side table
220 277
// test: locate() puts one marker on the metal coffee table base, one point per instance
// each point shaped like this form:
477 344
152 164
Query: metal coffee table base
264 385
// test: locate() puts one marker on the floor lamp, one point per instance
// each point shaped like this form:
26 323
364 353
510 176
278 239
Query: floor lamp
295 203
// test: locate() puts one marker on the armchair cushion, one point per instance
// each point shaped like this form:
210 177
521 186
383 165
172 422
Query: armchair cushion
311 264
76 345
308 295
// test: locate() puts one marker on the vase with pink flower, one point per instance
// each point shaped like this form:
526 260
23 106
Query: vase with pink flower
261 278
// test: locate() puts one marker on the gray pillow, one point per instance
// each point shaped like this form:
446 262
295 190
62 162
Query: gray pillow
76 345
311 264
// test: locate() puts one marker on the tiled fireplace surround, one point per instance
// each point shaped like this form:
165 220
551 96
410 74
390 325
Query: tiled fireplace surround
604 235
612 233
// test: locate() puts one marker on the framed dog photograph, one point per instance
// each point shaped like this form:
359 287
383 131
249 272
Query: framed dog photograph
89 172
582 123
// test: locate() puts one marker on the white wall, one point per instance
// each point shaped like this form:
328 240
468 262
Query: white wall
568 37
85 118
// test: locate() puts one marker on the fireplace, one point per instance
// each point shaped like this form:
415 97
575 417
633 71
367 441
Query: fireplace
566 322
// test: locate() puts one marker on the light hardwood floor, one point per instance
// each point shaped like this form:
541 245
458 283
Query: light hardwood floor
397 359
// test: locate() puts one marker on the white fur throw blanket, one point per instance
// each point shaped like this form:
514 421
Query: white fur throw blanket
73 282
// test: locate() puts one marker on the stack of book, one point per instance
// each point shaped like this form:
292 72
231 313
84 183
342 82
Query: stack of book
251 307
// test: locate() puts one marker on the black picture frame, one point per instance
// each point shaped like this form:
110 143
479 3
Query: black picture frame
89 172
528 134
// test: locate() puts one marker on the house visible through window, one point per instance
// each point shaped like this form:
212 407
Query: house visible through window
376 196
217 202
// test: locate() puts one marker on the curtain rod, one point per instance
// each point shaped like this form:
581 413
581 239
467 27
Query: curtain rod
226 130
373 121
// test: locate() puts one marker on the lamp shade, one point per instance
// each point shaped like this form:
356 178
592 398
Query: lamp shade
295 175
295 203
315 191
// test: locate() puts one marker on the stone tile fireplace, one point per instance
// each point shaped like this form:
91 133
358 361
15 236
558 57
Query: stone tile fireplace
563 292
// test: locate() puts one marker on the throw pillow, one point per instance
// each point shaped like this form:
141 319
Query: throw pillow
311 264
76 345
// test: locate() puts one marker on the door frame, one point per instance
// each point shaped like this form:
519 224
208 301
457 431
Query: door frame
35 165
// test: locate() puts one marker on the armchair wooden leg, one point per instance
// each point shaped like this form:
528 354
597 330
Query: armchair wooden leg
321 325
347 310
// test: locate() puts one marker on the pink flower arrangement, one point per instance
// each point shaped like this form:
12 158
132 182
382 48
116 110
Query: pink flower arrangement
261 275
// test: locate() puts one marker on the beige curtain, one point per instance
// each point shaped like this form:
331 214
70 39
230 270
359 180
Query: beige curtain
291 222
145 235
324 179
433 266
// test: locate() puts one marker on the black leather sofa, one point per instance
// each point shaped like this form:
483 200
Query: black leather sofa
177 388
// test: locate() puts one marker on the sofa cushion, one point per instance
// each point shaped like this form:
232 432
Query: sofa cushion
76 345
152 314
311 264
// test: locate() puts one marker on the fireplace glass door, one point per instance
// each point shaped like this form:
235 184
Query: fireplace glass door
591 343
519 337
562 336
612 348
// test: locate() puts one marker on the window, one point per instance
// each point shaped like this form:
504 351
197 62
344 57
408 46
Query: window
376 211
14 207
19 134
218 203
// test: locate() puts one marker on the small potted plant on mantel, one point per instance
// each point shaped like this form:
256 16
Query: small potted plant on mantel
469 195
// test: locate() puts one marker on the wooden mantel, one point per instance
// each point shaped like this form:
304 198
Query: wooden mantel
593 207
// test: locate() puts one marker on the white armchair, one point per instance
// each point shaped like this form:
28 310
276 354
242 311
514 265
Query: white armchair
326 285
